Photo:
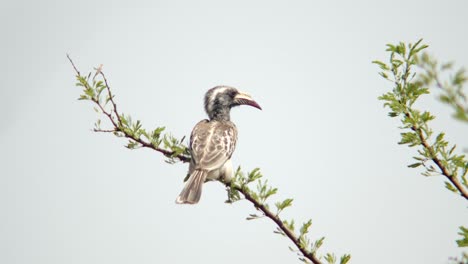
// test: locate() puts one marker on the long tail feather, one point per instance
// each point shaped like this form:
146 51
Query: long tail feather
193 188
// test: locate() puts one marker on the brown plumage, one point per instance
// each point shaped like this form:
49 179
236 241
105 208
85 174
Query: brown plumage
213 141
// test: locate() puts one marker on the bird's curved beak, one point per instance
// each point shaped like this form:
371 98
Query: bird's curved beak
245 99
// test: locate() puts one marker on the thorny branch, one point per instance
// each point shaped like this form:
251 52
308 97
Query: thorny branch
117 128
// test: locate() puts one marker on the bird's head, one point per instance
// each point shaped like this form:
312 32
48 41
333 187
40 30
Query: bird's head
220 99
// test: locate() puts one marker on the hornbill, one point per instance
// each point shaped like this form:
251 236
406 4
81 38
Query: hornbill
213 141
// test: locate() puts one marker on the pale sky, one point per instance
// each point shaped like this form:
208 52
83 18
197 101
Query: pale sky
68 195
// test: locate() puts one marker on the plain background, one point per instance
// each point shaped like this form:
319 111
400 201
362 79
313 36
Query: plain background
68 195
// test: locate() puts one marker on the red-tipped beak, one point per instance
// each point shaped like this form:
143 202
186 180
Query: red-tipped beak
245 99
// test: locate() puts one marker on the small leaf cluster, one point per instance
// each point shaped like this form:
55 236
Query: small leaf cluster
398 71
92 90
176 147
241 181
434 154
330 258
262 192
463 242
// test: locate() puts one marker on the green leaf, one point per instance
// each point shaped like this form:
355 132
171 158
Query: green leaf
452 149
132 144
409 138
382 65
463 242
459 161
390 47
254 175
440 137
345 258
426 116
446 66
317 244
89 92
384 75
415 49
253 216
305 227
284 204
279 231
290 224
450 187
83 97
415 165
330 258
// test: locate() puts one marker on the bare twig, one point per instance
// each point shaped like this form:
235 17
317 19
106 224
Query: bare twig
111 97
74 67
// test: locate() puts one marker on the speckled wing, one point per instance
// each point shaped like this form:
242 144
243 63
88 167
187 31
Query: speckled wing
212 144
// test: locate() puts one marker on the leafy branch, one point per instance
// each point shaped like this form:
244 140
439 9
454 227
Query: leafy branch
451 87
99 92
95 88
306 249
434 154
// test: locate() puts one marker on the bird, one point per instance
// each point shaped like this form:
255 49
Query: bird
212 141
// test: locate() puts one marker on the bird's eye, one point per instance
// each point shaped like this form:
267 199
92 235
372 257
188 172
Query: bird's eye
233 93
